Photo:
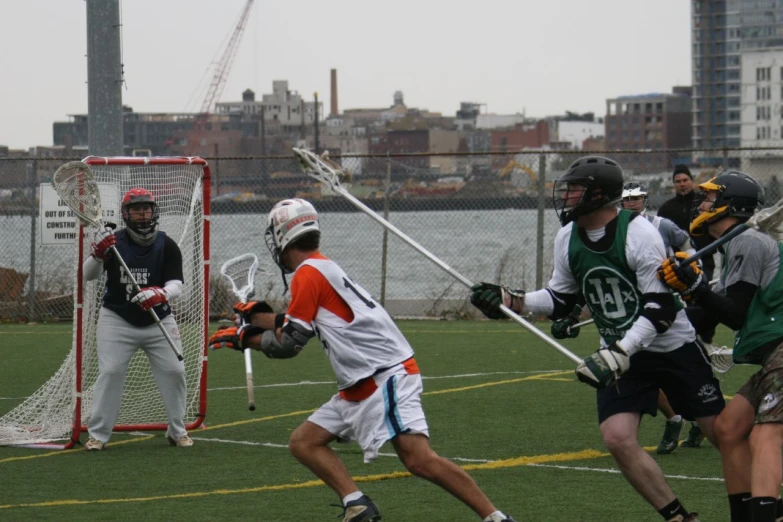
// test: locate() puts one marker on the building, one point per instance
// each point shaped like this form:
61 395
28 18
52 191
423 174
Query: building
762 111
721 32
648 122
283 106
576 132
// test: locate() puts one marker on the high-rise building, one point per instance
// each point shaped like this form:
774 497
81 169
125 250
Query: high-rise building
721 31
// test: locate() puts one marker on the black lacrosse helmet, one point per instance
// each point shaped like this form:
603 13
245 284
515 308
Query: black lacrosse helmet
602 179
739 196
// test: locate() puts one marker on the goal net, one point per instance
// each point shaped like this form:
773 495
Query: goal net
60 409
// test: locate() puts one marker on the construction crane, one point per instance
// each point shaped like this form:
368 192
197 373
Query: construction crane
219 78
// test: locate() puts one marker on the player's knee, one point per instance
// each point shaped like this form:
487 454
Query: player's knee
618 442
421 463
727 431
298 443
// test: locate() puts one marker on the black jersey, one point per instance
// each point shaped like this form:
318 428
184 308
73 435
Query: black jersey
151 265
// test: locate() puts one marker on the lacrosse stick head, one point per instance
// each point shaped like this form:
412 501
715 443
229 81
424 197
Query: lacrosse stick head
241 272
721 358
320 168
75 184
769 221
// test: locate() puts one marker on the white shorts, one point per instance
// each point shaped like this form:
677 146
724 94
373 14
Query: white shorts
394 408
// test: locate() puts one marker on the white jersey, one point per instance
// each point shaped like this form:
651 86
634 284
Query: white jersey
360 348
644 252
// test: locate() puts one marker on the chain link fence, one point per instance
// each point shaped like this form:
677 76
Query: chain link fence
488 216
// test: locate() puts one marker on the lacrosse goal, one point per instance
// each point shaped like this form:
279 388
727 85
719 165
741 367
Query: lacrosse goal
56 414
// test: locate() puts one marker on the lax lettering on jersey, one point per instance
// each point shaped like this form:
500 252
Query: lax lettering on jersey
612 298
152 265
358 335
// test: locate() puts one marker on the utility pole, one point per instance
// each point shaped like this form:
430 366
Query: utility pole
104 78
315 95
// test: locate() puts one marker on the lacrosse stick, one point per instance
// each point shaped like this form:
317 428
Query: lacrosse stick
768 221
241 271
320 170
721 357
75 184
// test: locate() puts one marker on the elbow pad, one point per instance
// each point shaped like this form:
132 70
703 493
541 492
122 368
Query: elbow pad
292 340
660 309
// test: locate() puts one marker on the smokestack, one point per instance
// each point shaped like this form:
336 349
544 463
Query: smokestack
333 109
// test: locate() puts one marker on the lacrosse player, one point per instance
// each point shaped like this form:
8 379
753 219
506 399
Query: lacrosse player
378 378
748 298
635 199
611 257
124 323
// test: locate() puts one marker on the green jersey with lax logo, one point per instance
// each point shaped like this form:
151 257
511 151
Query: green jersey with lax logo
606 282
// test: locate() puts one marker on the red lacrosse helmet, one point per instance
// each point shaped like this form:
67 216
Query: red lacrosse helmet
137 197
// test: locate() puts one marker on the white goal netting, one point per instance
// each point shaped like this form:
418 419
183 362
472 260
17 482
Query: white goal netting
58 410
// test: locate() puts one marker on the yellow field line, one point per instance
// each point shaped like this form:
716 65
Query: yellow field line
506 463
536 377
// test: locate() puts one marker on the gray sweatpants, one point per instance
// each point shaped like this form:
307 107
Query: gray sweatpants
117 342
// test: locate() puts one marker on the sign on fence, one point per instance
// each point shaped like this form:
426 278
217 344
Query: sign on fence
59 225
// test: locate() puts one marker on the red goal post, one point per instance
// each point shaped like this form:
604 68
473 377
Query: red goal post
58 412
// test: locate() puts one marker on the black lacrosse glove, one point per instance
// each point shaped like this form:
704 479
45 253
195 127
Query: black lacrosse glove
561 329
233 337
687 280
243 312
488 297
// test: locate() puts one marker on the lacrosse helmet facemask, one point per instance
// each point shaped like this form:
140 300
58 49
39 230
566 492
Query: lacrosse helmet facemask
633 190
737 195
287 221
602 179
142 231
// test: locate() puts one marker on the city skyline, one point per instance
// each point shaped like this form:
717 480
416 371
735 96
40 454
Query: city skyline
532 57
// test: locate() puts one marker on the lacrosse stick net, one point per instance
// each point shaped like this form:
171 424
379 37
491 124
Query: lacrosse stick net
241 272
329 173
721 358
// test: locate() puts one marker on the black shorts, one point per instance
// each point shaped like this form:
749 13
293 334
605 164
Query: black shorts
684 375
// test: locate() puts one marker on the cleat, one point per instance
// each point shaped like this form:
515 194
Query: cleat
690 518
671 438
361 510
182 442
695 437
93 445
508 518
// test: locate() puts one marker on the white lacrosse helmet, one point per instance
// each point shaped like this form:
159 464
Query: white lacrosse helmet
632 189
288 220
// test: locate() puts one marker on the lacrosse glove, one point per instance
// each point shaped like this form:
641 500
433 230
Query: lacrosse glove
604 366
243 312
233 337
149 297
561 329
101 247
488 297
687 280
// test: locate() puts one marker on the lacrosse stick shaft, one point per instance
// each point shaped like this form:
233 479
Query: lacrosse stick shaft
251 397
151 311
456 275
712 247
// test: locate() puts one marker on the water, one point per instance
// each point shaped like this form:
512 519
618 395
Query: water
479 244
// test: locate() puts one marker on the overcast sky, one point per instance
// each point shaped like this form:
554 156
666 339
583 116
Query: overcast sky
542 57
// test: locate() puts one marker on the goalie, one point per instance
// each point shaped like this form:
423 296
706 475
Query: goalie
378 378
611 258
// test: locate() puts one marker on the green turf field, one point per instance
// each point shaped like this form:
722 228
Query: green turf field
498 401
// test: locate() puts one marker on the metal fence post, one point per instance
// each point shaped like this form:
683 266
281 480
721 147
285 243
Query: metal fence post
33 214
385 244
540 222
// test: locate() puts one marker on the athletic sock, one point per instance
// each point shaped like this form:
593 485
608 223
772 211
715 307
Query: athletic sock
673 509
676 418
739 507
779 510
763 509
496 515
356 495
